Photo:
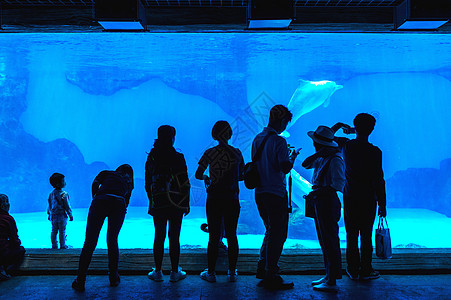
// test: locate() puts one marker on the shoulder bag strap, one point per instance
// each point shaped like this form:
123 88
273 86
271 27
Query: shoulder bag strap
260 148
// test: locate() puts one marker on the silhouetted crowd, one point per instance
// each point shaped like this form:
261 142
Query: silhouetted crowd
350 166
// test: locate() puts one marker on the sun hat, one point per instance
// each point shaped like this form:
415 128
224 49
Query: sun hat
323 135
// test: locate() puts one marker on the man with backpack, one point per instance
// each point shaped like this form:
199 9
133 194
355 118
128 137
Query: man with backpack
273 163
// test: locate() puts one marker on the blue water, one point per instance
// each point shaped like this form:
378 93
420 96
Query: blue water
81 103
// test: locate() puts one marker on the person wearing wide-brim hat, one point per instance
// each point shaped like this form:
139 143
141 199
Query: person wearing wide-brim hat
323 135
328 178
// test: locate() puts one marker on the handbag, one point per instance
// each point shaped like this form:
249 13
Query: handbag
383 240
310 205
251 175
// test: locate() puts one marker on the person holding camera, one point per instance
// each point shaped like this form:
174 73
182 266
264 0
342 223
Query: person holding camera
328 178
271 195
364 190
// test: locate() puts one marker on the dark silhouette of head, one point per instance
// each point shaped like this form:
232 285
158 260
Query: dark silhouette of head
221 132
279 116
125 169
364 124
4 203
57 180
166 137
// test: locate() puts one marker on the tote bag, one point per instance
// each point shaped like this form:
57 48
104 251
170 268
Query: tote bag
383 241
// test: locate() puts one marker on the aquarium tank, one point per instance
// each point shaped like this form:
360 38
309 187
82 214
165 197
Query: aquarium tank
80 103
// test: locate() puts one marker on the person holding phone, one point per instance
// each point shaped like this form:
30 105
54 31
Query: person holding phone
364 191
271 196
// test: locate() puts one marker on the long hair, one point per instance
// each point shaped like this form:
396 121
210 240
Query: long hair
166 135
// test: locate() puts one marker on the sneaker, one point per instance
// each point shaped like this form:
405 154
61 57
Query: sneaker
54 246
325 287
176 276
210 277
276 283
155 275
232 276
115 279
319 281
369 276
65 247
351 274
79 286
4 276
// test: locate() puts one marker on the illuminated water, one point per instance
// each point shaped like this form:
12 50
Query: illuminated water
81 103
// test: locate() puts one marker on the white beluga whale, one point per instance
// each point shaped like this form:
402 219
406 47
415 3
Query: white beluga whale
308 96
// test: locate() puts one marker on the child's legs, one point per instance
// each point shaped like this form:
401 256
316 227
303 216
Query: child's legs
62 231
54 233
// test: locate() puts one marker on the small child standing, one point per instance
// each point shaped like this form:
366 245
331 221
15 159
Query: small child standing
59 210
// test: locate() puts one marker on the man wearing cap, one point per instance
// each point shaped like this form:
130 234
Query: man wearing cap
328 178
363 192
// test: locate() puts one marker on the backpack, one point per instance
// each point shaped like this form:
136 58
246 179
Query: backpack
162 182
251 175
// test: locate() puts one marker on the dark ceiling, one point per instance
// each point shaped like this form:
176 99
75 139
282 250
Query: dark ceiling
209 3
193 12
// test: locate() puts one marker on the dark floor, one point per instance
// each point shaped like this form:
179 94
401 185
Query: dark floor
139 287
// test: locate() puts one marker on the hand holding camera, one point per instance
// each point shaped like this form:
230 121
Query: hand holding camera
350 130
293 153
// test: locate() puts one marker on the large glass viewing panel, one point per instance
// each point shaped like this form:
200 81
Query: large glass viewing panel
81 103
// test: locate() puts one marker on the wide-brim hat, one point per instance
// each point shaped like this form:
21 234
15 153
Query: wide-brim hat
323 135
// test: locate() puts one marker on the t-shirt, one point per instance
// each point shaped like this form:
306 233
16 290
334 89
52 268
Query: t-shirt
364 174
333 176
274 153
59 206
226 165
112 183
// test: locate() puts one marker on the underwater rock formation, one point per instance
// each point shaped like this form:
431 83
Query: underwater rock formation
428 188
25 162
106 80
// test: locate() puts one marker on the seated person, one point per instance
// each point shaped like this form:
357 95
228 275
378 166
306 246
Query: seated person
11 252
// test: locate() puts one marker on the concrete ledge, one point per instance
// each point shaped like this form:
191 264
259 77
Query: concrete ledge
302 261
